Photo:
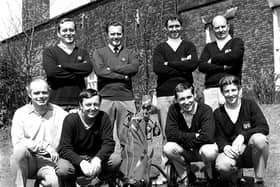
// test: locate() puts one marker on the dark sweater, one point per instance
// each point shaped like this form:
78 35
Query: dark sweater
250 120
66 73
76 140
112 83
231 55
179 68
202 123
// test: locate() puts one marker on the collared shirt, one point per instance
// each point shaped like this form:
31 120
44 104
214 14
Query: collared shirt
36 131
188 116
113 48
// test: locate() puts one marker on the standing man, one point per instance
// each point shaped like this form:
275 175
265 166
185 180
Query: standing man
86 143
66 66
36 129
241 132
219 58
115 65
173 62
190 129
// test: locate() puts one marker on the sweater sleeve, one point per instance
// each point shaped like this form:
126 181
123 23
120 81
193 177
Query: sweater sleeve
52 69
174 134
220 136
83 68
158 64
66 149
206 120
189 64
101 68
205 66
231 56
108 144
259 123
131 68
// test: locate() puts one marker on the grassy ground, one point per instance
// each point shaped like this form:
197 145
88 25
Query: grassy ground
272 177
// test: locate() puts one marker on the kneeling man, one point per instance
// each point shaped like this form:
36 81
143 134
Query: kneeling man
86 143
241 132
190 132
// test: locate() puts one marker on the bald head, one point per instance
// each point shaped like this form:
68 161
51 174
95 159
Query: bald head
220 27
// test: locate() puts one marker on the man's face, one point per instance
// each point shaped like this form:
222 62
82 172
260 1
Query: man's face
115 35
90 107
39 93
174 29
186 100
67 32
231 94
220 28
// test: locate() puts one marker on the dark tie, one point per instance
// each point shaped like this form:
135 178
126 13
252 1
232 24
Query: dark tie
116 50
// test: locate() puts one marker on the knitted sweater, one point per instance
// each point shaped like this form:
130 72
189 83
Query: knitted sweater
114 72
231 55
178 131
76 140
66 73
250 120
181 64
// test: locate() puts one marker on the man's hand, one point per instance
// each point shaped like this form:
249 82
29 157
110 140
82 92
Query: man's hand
165 63
238 143
54 155
230 152
86 168
96 165
209 61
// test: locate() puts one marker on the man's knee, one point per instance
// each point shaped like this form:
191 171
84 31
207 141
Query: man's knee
64 169
259 141
209 152
19 153
170 148
50 180
224 164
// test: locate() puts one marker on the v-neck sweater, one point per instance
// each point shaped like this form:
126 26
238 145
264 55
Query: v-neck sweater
181 64
250 121
115 72
177 129
230 55
76 140
66 73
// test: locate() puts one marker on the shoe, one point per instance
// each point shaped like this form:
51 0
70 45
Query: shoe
259 183
159 180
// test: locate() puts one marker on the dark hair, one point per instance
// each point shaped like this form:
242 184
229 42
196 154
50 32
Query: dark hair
172 17
228 80
63 20
113 23
88 93
181 87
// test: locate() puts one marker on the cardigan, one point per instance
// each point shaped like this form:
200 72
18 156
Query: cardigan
202 122
250 121
181 64
114 72
66 73
231 55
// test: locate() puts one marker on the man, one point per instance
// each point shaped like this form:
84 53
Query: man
66 66
173 62
86 143
114 66
241 132
36 129
222 57
190 133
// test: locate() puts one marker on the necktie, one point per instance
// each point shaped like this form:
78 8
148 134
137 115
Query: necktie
116 50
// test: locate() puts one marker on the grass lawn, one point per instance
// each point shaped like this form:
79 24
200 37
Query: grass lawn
272 178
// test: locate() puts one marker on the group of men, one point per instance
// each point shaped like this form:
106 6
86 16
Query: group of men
57 147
